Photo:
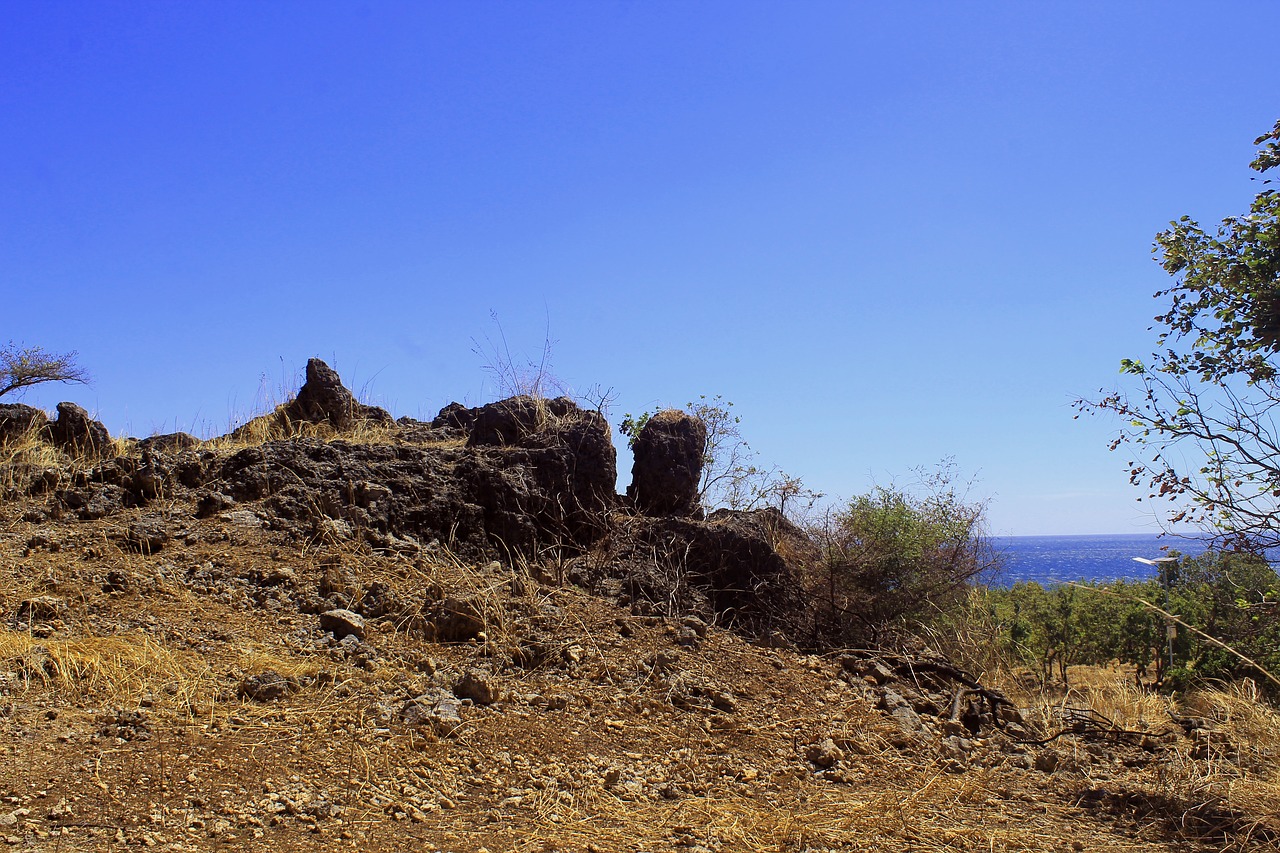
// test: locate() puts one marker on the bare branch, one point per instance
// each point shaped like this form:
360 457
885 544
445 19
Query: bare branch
22 367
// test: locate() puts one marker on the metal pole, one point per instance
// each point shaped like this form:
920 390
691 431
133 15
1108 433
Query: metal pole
1165 578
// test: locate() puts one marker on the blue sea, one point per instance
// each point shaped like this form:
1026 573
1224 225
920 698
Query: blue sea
1055 559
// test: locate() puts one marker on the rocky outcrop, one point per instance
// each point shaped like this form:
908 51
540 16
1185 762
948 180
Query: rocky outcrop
18 421
455 418
324 399
515 420
527 484
668 464
77 433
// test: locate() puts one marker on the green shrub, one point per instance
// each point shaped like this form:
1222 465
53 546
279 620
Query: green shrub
896 558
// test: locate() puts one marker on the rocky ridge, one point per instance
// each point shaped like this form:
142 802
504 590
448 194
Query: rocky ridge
457 633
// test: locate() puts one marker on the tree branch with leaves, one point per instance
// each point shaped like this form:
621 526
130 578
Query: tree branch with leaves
1203 423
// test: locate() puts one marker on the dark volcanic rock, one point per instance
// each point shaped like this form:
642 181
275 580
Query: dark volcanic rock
514 420
455 417
668 464
730 566
324 399
552 485
76 432
169 443
18 421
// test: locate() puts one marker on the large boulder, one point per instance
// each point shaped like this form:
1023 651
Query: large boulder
455 418
668 464
18 422
514 420
75 432
324 399
547 470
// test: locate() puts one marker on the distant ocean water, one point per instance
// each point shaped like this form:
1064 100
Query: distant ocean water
1055 559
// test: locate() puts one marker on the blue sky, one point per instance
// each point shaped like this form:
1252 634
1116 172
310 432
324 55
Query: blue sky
890 233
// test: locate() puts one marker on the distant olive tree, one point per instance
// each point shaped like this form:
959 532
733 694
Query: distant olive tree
23 366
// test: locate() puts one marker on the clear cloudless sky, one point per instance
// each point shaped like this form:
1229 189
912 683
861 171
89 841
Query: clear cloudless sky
890 233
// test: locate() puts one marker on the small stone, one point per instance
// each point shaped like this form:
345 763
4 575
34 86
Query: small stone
343 623
697 625
824 754
478 686
687 636
242 518
40 608
266 687
436 707
907 719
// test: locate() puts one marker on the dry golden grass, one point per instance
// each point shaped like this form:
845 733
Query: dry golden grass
25 457
275 426
118 669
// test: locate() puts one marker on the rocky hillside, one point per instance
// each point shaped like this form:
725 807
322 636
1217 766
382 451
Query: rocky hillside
335 629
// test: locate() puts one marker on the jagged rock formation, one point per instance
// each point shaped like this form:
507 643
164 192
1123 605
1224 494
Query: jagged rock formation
324 399
76 432
525 477
519 486
668 464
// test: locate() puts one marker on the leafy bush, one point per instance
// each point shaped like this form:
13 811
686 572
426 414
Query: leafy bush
896 558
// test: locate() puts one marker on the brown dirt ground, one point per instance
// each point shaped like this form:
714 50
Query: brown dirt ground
121 725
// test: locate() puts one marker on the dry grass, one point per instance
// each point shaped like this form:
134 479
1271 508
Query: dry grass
117 669
277 426
28 456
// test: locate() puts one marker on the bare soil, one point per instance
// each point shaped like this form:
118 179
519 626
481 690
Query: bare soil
189 699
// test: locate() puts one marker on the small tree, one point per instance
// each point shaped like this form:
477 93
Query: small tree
21 367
